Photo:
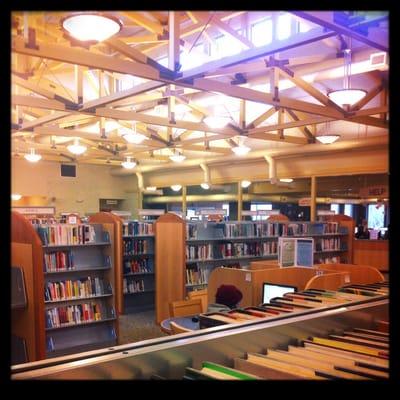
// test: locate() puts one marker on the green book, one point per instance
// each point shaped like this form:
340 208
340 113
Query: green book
227 371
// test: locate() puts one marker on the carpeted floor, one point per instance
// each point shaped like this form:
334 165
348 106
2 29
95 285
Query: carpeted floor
138 326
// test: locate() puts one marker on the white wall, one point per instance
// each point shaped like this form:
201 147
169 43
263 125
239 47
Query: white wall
80 194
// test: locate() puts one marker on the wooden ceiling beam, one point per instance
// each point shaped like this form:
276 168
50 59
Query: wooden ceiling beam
368 97
326 20
143 21
261 118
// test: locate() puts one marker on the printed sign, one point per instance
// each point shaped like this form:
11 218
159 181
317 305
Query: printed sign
374 191
325 212
209 211
35 210
145 211
296 252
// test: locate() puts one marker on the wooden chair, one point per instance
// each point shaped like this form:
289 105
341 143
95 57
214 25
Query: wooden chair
182 308
176 328
202 295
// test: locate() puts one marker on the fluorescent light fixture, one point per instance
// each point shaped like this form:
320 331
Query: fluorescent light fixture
347 96
151 188
327 139
32 156
176 188
205 185
16 196
177 157
128 164
241 150
76 148
91 26
245 184
286 180
216 122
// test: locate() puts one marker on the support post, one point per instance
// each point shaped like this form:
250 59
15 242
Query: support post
240 200
184 207
313 205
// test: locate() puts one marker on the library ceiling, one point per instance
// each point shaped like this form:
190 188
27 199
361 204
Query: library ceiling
183 88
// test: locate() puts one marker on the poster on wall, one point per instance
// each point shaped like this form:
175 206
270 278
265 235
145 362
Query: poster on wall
296 252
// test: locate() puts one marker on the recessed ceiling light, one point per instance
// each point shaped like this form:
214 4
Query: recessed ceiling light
205 185
128 164
32 156
245 184
76 148
176 188
91 26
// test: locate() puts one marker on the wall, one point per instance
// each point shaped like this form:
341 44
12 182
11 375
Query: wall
80 194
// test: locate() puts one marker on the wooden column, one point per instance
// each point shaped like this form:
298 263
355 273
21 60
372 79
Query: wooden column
184 207
240 201
313 205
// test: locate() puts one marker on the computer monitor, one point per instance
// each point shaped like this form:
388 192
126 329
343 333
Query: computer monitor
271 290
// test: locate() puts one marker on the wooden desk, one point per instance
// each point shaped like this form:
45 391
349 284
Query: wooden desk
371 252
186 322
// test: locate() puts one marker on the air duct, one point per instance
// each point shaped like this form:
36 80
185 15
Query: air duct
206 170
272 169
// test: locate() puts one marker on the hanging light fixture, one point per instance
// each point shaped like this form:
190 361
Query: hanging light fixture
91 26
217 119
205 185
286 180
177 157
132 136
245 184
128 164
76 148
176 188
16 196
327 138
241 149
32 156
347 95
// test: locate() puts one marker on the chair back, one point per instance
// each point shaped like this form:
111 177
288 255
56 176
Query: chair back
202 295
176 328
182 308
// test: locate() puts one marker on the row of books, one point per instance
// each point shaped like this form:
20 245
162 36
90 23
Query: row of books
216 251
323 244
356 354
136 228
133 247
72 315
132 285
327 260
63 234
197 276
54 343
142 265
295 302
69 289
58 260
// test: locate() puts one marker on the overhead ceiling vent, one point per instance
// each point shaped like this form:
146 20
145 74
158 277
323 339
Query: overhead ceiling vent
376 59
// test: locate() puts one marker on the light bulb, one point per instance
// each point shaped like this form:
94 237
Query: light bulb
245 184
327 139
205 185
76 148
16 196
176 188
85 27
241 150
128 164
32 156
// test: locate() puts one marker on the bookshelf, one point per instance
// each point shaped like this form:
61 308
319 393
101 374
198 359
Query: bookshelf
138 280
73 281
170 260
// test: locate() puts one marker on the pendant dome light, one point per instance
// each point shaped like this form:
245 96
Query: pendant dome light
32 156
241 149
76 148
91 26
128 164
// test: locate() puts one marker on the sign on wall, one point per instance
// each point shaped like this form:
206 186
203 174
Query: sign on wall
35 210
374 191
